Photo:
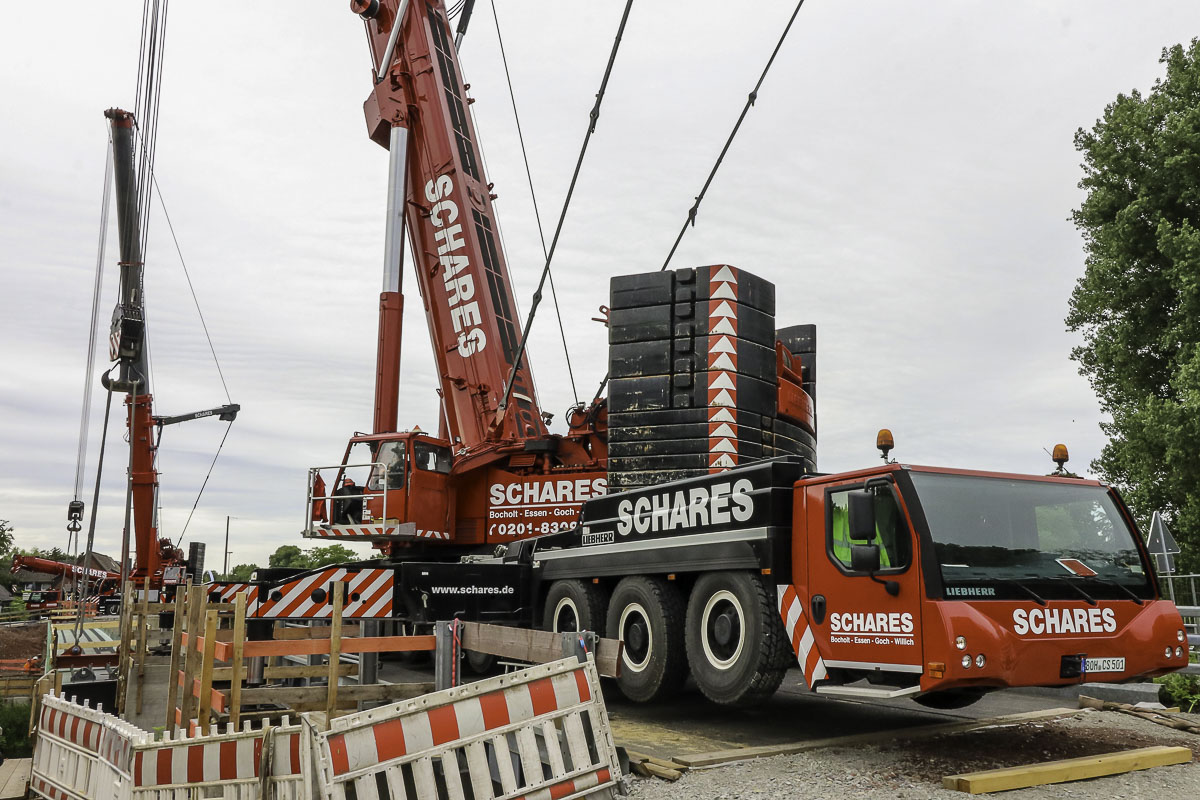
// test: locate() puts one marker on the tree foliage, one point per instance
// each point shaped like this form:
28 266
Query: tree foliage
241 572
1138 302
289 555
7 551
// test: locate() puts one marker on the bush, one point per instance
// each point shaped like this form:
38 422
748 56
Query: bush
1180 690
14 730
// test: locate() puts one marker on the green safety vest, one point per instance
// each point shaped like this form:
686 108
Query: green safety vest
842 542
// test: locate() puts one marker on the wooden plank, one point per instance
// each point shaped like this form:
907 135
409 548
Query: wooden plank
280 673
291 695
539 647
1071 769
665 763
923 731
285 633
14 776
196 602
238 667
176 643
362 644
87 626
222 650
335 647
206 669
142 626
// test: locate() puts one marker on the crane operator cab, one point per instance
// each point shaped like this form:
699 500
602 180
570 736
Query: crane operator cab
389 487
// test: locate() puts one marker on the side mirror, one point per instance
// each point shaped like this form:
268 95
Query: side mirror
864 558
861 509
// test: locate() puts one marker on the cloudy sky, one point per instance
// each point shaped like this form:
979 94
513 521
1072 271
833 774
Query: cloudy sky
905 179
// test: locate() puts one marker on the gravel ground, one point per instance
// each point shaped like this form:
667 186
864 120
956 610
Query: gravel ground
914 771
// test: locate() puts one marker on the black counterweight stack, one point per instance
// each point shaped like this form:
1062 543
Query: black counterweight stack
694 382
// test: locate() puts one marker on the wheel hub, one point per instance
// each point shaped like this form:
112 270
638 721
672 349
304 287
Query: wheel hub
723 629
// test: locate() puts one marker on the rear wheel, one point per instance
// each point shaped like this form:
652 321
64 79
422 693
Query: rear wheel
736 644
575 606
647 614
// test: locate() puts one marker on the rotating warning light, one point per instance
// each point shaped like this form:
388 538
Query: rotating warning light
1060 455
884 441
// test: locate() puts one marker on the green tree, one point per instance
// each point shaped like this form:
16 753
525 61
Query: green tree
1138 302
241 572
7 551
289 555
331 554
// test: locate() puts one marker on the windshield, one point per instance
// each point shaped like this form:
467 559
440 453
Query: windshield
1000 538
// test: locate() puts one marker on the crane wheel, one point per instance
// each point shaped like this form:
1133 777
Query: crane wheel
736 643
647 615
575 606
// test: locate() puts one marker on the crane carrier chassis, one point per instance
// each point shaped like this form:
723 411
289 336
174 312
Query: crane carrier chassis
898 580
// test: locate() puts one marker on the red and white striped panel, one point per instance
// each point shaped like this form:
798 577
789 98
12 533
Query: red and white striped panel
228 592
213 759
350 531
369 595
800 634
722 368
572 788
83 733
52 791
433 534
116 749
424 730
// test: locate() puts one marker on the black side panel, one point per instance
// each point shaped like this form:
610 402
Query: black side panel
490 592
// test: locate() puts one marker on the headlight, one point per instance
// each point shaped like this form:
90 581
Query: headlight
980 660
1167 653
1179 652
961 643
1179 636
966 662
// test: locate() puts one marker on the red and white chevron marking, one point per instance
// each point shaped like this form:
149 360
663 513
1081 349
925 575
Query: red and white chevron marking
228 592
722 368
222 758
800 634
369 595
367 531
419 732
47 789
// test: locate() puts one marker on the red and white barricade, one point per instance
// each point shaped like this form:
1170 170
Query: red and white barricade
84 754
539 733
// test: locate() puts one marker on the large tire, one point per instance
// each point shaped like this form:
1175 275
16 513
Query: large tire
575 606
736 643
647 615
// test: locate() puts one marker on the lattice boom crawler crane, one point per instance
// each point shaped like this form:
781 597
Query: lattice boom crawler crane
732 562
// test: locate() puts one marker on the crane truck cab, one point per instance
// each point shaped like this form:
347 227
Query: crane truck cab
389 487
935 583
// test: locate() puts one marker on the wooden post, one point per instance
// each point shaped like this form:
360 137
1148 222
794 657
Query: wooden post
181 593
124 646
191 660
143 622
335 650
206 668
239 640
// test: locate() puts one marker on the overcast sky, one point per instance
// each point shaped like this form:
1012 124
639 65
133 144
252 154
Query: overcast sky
906 180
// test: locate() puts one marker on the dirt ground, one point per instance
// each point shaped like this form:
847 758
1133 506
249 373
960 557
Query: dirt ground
19 642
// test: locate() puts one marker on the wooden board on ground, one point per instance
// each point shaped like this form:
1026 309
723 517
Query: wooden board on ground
745 753
1071 769
538 647
14 776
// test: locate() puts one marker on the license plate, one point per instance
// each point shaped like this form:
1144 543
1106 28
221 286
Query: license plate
1104 665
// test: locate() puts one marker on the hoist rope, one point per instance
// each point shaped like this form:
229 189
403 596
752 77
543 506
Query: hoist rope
191 288
537 295
691 216
203 485
86 415
81 584
533 196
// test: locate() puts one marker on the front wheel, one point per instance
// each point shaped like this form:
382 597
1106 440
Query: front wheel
575 606
647 615
736 644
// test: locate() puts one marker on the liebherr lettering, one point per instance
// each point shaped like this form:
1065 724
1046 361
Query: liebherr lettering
456 274
718 504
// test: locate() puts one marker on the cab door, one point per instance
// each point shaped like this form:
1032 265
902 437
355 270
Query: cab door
860 622
429 489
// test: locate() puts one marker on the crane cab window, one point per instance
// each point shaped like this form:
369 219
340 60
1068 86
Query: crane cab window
431 457
891 533
388 471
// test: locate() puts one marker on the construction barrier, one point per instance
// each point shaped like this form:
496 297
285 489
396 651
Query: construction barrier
536 734
82 753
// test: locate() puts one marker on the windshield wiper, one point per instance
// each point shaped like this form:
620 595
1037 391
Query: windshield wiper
1117 584
1091 601
1041 601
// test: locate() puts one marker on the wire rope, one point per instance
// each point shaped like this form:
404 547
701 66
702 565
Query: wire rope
593 116
204 485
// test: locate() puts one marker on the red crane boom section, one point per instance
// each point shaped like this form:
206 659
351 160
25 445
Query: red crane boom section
460 265
35 564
